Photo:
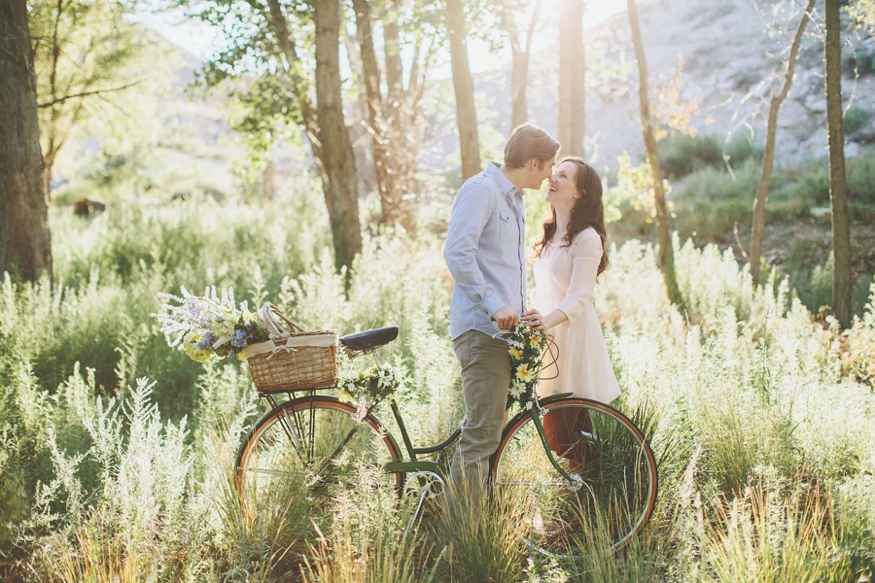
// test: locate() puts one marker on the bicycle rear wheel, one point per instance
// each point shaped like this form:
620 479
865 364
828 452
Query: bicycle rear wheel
316 441
615 462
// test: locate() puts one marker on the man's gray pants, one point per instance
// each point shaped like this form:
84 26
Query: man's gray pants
485 383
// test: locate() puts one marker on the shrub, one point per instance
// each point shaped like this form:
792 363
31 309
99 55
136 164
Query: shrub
99 484
861 60
855 118
681 154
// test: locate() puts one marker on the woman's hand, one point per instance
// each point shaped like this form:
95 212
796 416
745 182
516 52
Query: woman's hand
534 320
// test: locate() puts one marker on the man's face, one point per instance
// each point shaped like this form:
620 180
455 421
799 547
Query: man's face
539 171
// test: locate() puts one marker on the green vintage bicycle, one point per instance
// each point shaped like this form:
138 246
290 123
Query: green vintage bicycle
318 438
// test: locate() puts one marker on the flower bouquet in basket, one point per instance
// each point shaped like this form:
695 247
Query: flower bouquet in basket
282 356
210 324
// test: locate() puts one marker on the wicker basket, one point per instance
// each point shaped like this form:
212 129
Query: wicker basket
293 359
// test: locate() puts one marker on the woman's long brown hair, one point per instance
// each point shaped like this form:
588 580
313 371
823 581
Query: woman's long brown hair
588 211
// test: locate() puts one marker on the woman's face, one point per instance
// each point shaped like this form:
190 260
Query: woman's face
562 188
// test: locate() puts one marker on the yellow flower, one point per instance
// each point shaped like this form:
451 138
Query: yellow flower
524 374
189 345
242 355
515 353
535 341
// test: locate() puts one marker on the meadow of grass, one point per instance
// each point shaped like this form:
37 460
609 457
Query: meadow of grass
118 451
712 202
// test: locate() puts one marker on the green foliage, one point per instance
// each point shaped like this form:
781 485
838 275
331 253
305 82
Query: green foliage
855 118
682 154
859 62
752 406
93 65
710 201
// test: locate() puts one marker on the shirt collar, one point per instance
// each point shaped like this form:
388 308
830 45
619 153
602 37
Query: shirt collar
506 186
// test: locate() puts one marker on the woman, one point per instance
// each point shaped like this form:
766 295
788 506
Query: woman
570 255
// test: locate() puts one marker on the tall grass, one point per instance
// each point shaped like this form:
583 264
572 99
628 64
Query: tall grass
118 452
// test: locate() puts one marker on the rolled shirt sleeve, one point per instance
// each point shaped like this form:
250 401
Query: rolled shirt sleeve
586 252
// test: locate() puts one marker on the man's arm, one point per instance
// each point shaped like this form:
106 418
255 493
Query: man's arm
471 212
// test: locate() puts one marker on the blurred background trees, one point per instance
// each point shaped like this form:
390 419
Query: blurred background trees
410 112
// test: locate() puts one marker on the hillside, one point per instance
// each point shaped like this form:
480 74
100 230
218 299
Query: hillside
729 57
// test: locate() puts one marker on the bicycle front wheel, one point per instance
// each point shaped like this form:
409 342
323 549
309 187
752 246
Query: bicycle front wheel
617 492
316 441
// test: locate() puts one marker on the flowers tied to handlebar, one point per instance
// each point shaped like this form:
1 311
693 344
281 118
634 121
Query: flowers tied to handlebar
210 324
526 348
366 388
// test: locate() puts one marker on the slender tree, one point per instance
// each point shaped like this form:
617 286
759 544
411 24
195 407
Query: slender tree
665 255
463 83
25 239
393 121
838 197
88 59
775 103
337 155
572 68
521 49
278 101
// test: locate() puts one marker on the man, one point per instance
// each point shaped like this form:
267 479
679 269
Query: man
485 252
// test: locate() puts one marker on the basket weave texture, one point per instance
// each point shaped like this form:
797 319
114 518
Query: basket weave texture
297 360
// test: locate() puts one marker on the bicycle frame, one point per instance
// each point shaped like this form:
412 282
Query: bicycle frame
414 465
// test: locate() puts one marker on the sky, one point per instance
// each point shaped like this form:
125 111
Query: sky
201 40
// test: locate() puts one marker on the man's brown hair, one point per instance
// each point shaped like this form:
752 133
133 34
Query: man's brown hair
529 141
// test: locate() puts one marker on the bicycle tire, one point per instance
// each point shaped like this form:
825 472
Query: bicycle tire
297 439
618 469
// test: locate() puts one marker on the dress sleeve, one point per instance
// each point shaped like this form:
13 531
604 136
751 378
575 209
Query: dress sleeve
586 255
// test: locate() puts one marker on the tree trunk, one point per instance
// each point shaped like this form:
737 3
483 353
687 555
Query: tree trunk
337 154
520 107
466 115
762 196
572 103
665 256
25 239
287 46
336 163
371 78
838 197
389 125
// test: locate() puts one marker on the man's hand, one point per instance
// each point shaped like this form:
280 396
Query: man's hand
506 318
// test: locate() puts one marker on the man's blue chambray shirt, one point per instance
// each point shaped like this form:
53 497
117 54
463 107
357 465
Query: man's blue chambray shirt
485 251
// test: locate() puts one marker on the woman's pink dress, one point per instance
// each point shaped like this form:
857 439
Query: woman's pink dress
565 280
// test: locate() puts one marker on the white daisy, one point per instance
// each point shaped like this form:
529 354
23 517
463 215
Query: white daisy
517 389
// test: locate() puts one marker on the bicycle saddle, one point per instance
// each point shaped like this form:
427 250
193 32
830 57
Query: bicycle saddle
361 341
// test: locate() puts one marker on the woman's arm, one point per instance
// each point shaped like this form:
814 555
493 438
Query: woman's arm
586 252
536 321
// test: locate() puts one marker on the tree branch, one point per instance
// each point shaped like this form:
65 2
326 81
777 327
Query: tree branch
87 94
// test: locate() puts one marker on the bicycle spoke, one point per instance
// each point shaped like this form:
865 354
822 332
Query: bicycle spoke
618 476
314 439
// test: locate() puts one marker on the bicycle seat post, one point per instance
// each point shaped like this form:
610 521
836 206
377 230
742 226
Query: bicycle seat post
373 352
